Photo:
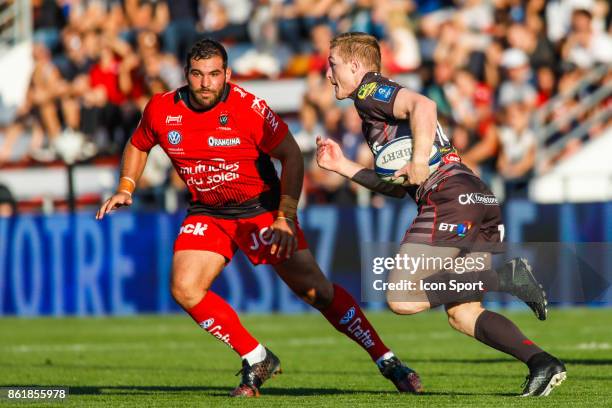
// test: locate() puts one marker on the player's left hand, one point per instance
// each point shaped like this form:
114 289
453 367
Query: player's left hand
284 239
414 172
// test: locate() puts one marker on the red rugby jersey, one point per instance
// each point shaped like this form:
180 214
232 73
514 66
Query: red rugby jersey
222 153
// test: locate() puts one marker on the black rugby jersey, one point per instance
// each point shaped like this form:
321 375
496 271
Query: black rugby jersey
374 99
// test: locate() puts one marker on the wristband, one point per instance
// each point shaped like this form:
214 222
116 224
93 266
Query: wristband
287 207
288 219
126 185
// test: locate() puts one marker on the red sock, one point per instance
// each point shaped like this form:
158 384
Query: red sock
346 316
217 317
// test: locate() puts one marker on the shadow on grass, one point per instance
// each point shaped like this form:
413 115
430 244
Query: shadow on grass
571 361
217 391
211 391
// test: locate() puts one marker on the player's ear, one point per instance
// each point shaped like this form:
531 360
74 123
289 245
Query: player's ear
228 74
355 65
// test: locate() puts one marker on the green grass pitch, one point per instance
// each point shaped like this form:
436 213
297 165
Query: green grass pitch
148 361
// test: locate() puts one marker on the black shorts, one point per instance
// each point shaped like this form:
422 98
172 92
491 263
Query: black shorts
459 212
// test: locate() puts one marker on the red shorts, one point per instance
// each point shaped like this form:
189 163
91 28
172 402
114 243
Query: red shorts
225 236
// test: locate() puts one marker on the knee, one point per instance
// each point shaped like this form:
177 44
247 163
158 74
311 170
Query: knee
186 292
320 296
463 317
407 308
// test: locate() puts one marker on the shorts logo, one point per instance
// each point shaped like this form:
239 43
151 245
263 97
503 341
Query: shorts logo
174 137
223 119
264 237
197 229
366 90
460 229
463 228
477 198
384 93
216 142
348 316
207 323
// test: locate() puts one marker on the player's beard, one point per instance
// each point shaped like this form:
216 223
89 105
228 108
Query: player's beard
206 98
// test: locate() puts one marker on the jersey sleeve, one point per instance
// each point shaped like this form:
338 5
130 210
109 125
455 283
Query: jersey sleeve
377 99
144 137
267 128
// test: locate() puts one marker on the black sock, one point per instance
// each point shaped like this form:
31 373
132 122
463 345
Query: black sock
489 279
539 359
498 332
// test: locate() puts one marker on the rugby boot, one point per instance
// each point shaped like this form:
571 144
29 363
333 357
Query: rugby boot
516 278
547 374
404 378
253 376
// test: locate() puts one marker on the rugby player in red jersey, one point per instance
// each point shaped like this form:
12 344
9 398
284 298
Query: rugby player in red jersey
220 139
458 217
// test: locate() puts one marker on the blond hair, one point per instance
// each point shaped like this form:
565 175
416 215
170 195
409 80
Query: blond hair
360 46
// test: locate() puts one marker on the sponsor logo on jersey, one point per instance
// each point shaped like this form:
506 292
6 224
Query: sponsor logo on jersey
174 137
194 229
477 198
366 90
223 118
207 177
207 323
384 93
260 106
216 142
348 316
241 91
451 158
174 120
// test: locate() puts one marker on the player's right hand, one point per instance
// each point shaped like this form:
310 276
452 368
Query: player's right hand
329 154
120 199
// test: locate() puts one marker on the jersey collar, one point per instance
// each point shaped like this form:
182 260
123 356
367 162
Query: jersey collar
368 77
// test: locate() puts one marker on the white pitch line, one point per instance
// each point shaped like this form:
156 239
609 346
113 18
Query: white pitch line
174 345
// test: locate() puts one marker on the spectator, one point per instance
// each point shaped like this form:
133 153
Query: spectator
310 128
8 206
584 47
517 149
179 33
48 21
517 86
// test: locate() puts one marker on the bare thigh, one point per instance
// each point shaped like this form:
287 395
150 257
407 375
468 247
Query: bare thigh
193 273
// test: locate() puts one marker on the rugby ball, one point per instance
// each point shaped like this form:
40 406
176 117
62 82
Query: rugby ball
396 154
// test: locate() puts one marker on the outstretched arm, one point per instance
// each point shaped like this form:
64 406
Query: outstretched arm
132 165
330 157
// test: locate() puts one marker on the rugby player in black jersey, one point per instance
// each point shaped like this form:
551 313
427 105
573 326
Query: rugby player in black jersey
458 216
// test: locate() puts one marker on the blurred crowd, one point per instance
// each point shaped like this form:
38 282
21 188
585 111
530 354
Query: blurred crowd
489 65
